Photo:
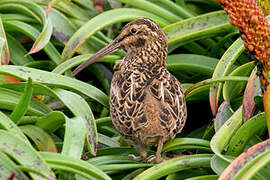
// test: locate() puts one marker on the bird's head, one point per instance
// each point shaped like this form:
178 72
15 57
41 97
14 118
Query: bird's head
138 35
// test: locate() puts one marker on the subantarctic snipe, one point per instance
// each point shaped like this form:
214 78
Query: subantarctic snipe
146 102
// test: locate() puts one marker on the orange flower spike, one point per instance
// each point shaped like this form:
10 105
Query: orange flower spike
265 5
250 20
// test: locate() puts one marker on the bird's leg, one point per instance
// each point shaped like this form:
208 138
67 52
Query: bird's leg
157 158
143 153
159 149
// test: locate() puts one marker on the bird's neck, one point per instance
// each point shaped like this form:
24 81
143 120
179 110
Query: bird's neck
147 57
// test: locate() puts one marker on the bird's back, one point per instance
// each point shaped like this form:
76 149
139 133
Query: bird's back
146 102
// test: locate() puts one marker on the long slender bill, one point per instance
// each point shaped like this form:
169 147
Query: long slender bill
110 48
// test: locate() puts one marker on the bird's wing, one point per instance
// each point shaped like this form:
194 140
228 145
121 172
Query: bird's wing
127 96
172 108
135 94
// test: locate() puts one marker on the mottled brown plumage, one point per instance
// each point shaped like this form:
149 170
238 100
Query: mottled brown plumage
147 103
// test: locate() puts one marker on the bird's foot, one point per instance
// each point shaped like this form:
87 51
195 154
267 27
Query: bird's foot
137 158
151 159
154 159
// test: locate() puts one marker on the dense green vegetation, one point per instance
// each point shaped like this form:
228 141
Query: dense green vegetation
53 126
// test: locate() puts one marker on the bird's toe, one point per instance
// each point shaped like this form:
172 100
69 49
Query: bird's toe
154 159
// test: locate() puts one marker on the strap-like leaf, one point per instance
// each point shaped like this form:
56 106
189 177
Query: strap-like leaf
69 164
248 163
48 78
222 69
225 133
24 154
174 165
4 50
23 104
107 18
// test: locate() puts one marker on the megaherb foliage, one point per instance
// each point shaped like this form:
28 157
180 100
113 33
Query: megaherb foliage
56 127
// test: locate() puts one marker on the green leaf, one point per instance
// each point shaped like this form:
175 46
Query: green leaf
111 159
108 130
186 143
107 18
24 154
33 33
38 88
8 168
205 177
153 8
107 141
72 10
2 44
99 71
223 114
42 140
31 170
79 107
84 120
115 151
46 65
18 9
118 168
189 173
178 9
85 4
9 99
225 41
18 17
253 126
191 63
218 164
8 125
249 163
4 51
225 133
17 52
21 108
232 89
72 62
63 29
104 121
51 121
61 162
211 81
198 94
133 174
46 32
74 141
174 165
56 80
203 26
222 69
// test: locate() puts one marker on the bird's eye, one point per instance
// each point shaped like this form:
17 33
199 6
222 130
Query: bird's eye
133 30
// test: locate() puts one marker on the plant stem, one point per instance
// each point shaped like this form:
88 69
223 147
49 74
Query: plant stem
210 81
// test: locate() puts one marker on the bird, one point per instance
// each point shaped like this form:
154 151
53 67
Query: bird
147 103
